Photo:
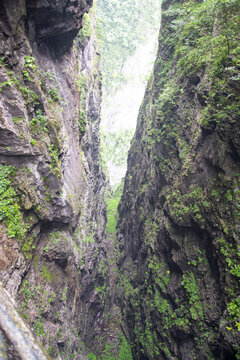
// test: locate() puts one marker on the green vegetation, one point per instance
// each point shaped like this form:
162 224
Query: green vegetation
91 356
196 49
28 246
81 82
39 123
191 288
199 52
192 203
122 26
5 84
151 295
46 274
54 94
9 206
28 293
232 258
38 327
55 163
51 86
30 97
64 294
42 299
17 120
112 214
30 62
82 122
87 29
191 49
124 351
160 275
115 146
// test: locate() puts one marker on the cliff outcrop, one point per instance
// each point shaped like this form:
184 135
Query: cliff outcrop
178 228
52 209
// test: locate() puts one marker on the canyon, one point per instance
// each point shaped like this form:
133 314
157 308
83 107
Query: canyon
166 282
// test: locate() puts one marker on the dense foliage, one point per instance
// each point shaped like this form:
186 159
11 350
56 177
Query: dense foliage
9 207
124 352
210 41
115 146
123 25
112 201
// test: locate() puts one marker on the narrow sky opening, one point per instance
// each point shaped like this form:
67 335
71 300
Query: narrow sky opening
129 44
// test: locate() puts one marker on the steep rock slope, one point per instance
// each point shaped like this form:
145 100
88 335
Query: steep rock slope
52 209
179 220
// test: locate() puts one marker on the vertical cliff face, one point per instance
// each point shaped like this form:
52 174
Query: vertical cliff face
178 229
52 209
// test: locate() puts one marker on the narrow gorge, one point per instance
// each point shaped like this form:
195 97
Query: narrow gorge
158 279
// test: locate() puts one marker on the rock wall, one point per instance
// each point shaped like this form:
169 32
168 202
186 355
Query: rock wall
52 209
178 228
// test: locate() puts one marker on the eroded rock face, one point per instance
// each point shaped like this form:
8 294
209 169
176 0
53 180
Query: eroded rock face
178 230
51 180
55 23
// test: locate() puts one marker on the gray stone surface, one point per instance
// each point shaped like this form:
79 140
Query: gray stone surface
18 334
49 80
